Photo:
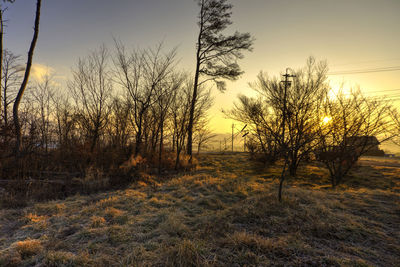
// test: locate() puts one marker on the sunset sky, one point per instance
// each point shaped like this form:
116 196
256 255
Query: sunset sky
349 34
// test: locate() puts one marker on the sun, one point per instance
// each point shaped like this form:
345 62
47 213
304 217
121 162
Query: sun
326 120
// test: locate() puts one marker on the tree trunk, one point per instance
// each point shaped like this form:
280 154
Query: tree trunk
280 188
177 159
94 141
195 87
333 182
138 138
1 56
17 125
161 146
191 114
293 168
173 142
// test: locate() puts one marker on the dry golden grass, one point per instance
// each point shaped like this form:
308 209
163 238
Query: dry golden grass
224 213
28 247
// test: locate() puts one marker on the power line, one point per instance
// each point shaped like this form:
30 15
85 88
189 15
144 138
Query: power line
382 91
366 61
360 71
391 92
378 96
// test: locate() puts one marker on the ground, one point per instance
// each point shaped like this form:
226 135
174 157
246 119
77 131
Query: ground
225 213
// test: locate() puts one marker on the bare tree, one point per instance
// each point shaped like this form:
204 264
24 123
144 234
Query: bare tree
1 45
285 115
303 111
203 134
354 124
141 73
2 26
118 126
166 95
91 89
24 83
65 118
180 116
216 54
263 126
10 79
42 95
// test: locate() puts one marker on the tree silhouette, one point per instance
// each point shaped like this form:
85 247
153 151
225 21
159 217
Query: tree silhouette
295 107
11 75
91 88
1 37
216 54
21 91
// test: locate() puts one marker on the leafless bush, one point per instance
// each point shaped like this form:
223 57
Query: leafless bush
354 124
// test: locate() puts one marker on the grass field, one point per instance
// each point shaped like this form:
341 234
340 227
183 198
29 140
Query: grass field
225 213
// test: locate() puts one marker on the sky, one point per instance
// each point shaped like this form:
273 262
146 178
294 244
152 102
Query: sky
349 34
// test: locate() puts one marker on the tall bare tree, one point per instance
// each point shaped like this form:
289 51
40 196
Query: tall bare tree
141 73
167 94
180 108
1 45
216 54
180 116
10 79
2 26
17 125
91 89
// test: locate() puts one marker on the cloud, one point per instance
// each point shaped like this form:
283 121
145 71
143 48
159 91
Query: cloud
39 71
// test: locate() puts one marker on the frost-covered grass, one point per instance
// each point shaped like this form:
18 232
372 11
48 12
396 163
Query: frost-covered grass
225 213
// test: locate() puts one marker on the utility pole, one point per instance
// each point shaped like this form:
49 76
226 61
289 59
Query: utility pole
233 127
287 84
283 143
